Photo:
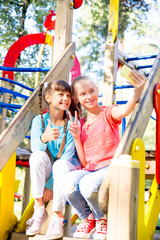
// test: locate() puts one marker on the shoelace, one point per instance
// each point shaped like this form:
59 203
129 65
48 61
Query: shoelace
101 226
84 225
32 220
54 223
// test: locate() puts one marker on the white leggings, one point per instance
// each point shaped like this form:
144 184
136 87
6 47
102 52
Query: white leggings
40 171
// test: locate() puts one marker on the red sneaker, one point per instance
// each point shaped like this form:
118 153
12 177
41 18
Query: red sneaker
85 229
101 229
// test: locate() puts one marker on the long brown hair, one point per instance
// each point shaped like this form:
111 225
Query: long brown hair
50 88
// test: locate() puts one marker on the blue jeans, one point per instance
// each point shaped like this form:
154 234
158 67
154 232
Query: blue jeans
81 191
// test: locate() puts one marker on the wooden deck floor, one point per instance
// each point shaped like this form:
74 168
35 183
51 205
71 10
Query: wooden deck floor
22 236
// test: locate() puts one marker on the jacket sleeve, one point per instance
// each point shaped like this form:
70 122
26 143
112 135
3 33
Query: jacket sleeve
36 132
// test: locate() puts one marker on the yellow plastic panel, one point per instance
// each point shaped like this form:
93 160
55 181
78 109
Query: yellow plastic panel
113 18
152 209
7 188
21 226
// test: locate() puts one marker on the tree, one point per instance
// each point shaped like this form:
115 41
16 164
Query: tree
92 26
19 18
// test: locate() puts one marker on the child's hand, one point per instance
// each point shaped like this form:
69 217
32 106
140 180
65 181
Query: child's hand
74 129
50 134
139 82
47 195
124 110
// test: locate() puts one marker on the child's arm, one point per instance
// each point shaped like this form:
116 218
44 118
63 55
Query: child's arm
75 132
124 110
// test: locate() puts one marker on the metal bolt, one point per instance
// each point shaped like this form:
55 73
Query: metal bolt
147 166
137 149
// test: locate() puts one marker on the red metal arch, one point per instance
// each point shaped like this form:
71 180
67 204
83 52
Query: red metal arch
24 42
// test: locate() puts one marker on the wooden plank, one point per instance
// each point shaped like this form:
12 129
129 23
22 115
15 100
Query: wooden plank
4 111
130 64
63 27
26 189
123 199
20 125
22 236
110 71
63 36
22 154
156 236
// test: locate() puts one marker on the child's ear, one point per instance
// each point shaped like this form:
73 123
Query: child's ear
47 98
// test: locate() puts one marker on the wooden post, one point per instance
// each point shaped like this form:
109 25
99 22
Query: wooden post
63 29
4 111
63 36
123 199
110 72
111 54
26 190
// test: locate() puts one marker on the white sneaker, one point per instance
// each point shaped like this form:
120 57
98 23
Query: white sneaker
35 223
55 228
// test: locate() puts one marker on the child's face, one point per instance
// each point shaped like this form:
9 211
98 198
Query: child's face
86 93
59 100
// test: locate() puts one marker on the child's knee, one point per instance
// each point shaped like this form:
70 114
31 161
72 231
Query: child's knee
60 167
68 186
68 189
37 158
87 190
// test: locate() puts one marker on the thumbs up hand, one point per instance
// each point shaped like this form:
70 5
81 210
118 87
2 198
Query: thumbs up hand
50 133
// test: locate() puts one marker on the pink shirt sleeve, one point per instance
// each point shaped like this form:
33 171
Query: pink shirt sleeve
109 116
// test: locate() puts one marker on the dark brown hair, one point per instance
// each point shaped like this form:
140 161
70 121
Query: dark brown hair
49 88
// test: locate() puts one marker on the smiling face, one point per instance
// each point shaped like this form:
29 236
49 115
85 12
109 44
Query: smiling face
59 100
86 93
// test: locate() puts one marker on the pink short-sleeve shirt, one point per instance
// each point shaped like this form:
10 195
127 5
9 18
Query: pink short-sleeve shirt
100 139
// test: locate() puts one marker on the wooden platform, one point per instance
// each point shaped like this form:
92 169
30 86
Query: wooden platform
156 236
22 154
22 236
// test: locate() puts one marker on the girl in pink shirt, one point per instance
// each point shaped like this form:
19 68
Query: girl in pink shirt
96 142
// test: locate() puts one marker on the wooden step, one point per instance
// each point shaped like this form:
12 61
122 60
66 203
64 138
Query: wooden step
22 236
156 236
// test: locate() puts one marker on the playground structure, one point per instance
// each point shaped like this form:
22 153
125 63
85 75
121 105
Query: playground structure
129 217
